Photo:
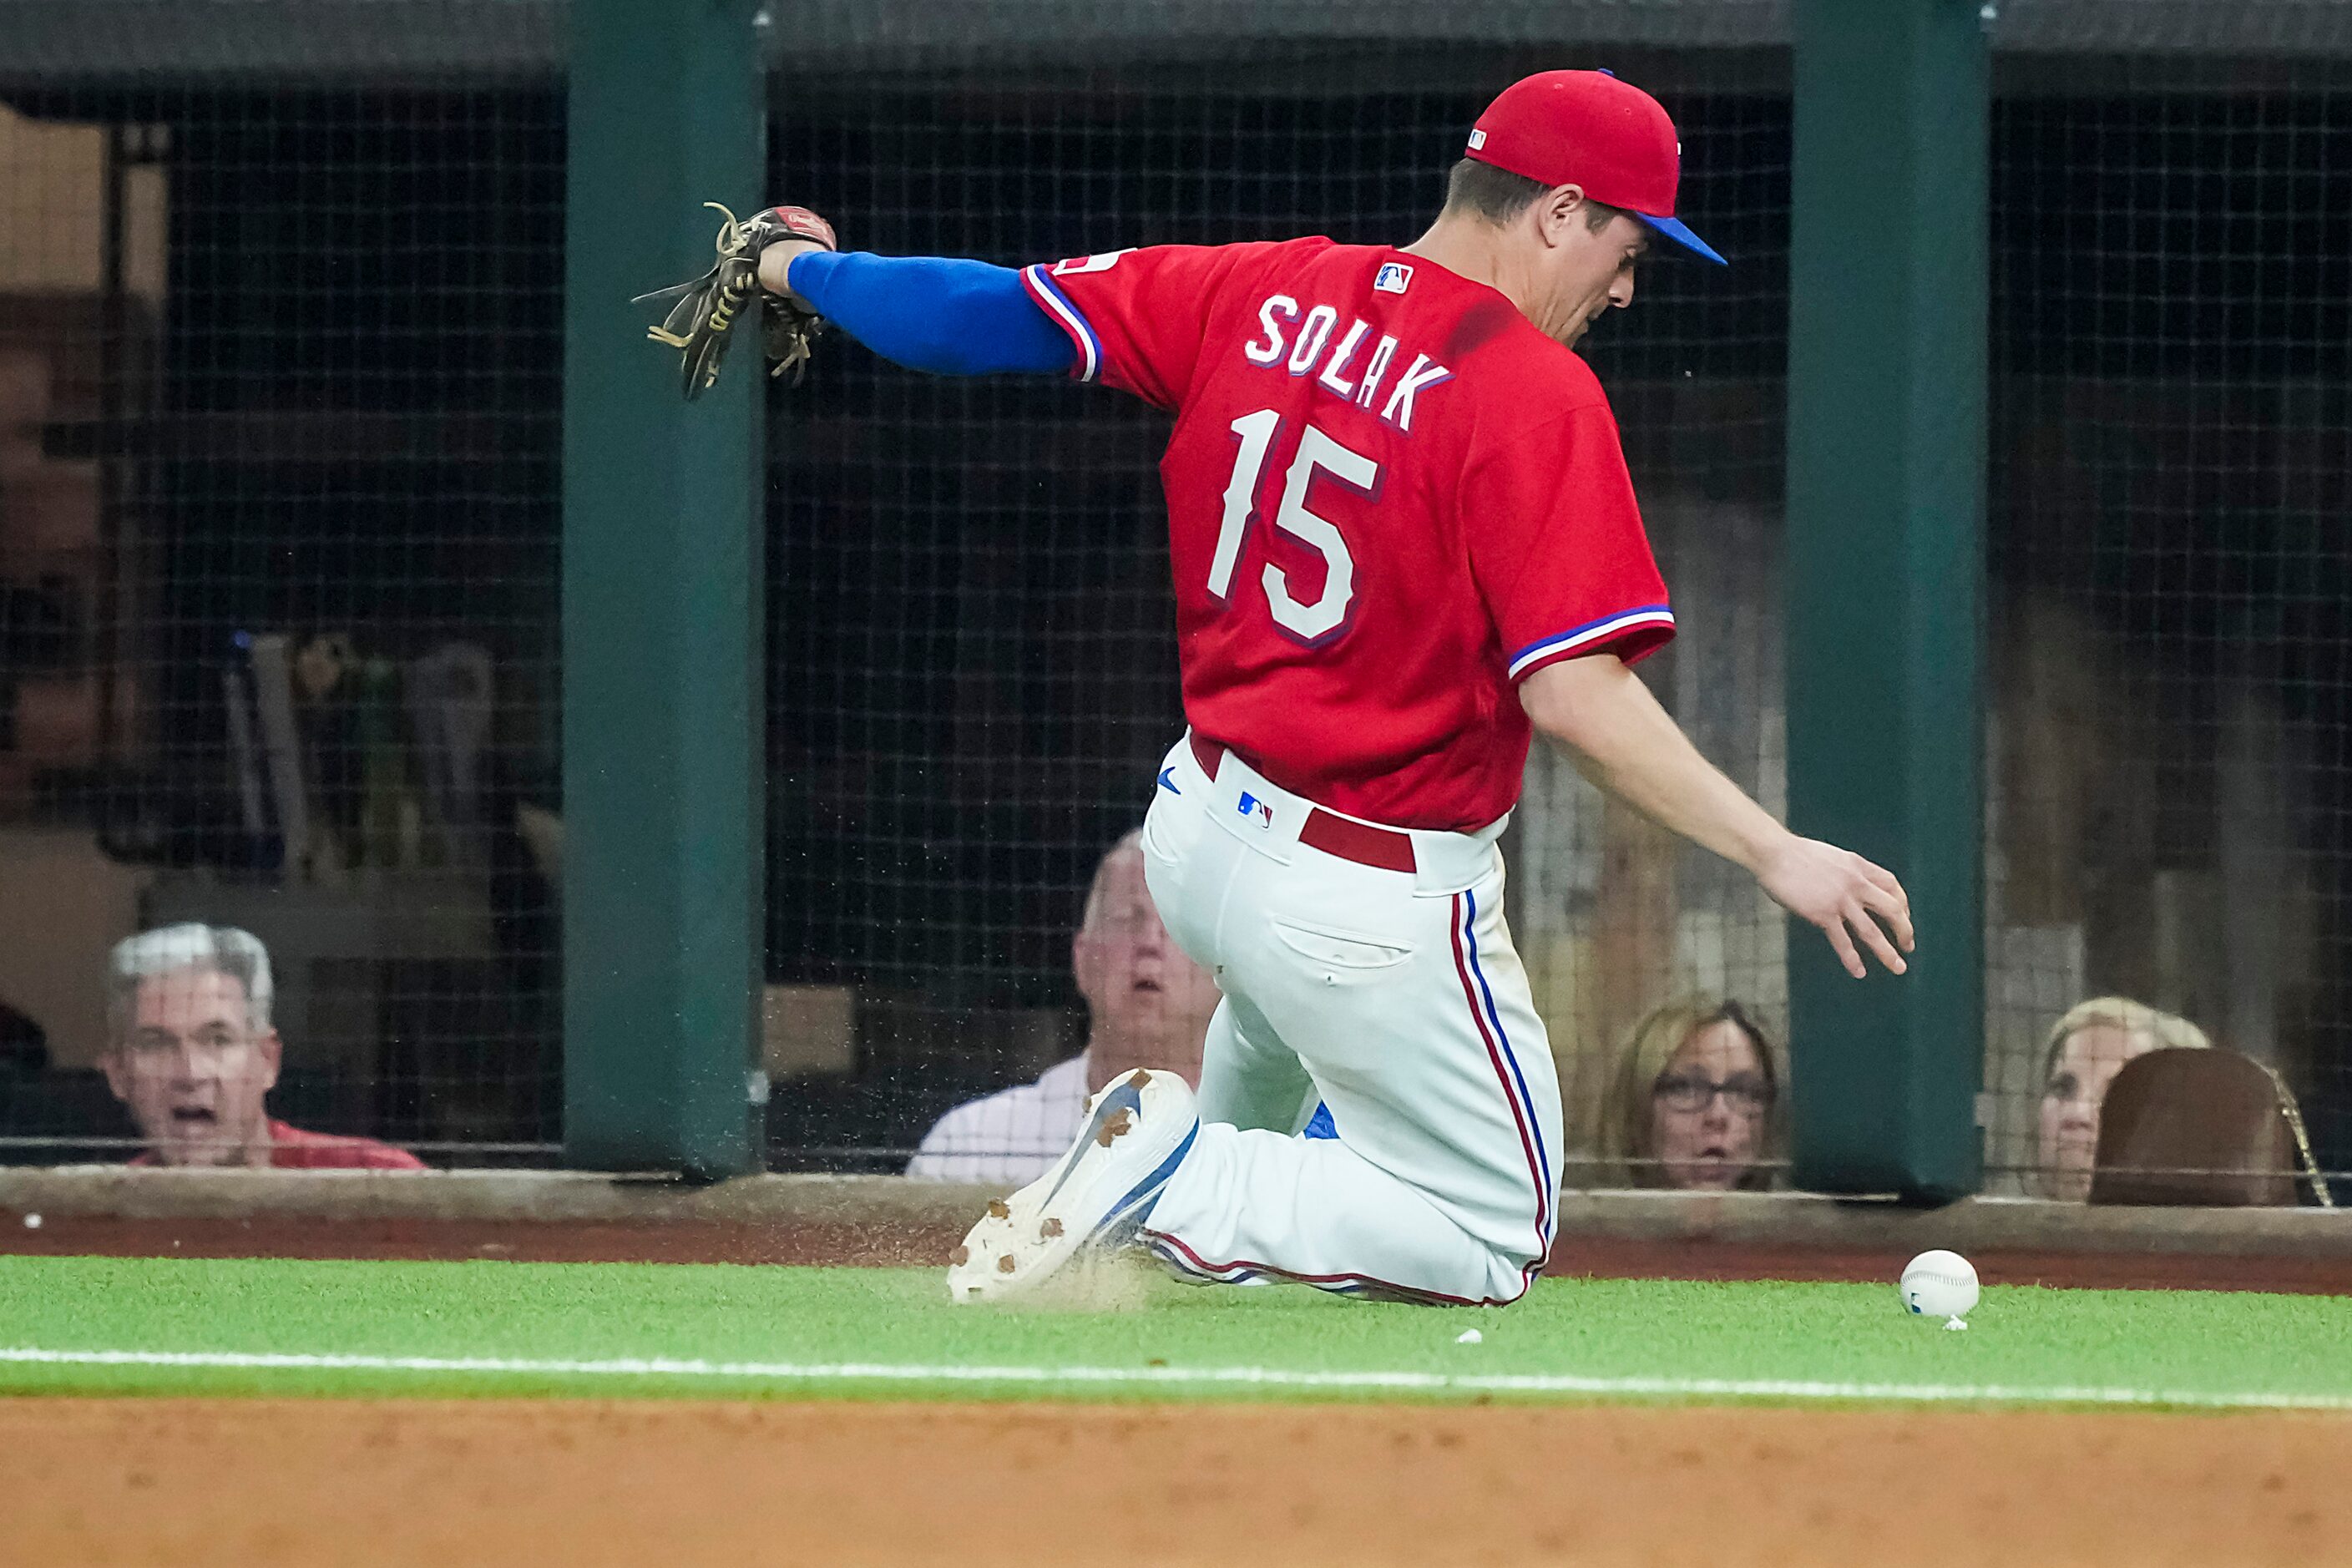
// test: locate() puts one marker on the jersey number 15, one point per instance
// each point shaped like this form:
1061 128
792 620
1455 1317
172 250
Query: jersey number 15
1327 617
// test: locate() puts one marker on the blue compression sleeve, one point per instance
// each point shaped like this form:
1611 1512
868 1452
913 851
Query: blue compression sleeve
928 312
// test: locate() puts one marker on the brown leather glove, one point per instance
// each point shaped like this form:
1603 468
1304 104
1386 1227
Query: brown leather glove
708 308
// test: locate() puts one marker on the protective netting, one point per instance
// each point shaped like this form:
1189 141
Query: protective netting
2169 683
975 670
2168 339
279 412
278 518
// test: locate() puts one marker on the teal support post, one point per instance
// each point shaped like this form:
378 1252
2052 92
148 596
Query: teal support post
663 606
1885 571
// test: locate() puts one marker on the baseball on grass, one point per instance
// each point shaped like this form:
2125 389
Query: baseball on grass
1939 1284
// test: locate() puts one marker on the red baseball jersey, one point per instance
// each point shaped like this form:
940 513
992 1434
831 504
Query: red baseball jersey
1390 498
292 1149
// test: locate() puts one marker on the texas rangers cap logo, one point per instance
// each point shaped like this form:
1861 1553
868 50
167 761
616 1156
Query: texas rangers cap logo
1393 278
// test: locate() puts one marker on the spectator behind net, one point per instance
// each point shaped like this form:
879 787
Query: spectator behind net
1147 1004
2086 1048
1691 1104
192 1056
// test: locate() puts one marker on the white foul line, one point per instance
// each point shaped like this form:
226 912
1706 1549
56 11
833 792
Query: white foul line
1211 1376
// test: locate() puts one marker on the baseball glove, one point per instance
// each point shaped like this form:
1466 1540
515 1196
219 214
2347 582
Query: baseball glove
708 309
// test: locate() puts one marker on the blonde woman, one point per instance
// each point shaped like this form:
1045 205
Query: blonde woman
1692 1103
2085 1049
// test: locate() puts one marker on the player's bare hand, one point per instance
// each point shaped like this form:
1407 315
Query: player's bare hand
776 265
1847 896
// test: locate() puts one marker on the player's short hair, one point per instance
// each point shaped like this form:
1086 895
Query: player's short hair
2148 1029
1496 195
221 950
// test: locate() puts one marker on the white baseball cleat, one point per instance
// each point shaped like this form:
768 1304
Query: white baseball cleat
1137 1130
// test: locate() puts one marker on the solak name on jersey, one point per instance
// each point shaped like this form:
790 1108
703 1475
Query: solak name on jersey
1307 341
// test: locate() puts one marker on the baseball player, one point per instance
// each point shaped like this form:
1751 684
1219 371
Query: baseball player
1403 538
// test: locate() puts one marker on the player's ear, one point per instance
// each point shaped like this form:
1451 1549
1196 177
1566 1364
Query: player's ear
1556 210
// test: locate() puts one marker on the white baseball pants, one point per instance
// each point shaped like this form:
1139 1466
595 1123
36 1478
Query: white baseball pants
1396 996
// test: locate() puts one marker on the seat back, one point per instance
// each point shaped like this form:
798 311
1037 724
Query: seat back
2206 1127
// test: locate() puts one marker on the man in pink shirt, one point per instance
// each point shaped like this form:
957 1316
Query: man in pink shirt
192 1056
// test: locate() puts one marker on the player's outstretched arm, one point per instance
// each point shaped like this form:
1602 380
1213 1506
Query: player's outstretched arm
941 314
1630 746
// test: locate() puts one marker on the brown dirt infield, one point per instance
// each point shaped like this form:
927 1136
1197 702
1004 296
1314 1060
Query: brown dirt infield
316 1482
706 1241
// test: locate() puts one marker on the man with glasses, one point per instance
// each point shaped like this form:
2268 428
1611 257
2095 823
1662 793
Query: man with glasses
192 1056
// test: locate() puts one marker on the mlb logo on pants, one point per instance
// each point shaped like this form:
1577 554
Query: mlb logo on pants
1260 813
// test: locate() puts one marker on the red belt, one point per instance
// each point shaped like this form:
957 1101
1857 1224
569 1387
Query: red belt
1383 847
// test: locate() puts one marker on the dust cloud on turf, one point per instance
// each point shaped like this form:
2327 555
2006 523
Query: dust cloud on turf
1093 1282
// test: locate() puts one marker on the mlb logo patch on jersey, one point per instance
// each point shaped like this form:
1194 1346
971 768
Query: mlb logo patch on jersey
1391 277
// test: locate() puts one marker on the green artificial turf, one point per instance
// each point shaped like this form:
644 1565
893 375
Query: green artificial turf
889 1332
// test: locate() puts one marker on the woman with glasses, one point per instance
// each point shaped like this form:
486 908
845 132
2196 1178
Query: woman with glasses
1691 1104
